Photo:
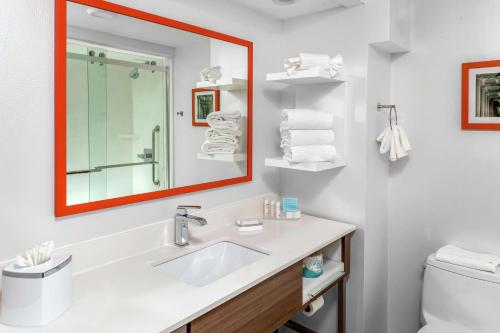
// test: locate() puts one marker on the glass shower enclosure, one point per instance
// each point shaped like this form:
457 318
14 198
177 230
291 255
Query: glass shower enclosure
117 123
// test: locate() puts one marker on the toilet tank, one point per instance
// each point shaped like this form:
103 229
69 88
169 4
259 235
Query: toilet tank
460 295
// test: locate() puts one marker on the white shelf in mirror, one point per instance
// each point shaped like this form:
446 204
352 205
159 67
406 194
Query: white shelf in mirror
223 157
309 76
279 162
332 271
224 84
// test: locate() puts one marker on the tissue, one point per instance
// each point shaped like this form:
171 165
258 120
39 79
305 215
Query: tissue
37 255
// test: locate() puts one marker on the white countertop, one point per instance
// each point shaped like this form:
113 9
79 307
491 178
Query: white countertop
132 296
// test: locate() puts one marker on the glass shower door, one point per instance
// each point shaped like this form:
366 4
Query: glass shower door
117 123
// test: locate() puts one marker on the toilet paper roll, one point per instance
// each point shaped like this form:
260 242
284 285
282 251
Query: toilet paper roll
314 306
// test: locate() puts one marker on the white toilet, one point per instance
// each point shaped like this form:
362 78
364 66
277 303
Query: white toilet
457 299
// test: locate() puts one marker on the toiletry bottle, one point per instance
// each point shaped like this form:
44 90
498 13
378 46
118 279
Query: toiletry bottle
273 208
267 208
278 210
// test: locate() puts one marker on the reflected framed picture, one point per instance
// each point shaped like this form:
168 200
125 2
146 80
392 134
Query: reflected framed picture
481 95
205 101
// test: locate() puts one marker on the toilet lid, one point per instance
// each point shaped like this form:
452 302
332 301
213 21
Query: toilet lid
444 327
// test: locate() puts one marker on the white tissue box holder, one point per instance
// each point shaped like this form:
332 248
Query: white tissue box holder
34 296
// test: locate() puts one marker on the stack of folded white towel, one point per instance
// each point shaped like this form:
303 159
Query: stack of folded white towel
475 260
307 136
311 60
224 133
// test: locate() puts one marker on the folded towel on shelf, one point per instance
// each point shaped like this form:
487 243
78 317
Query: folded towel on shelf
318 153
225 120
213 135
293 138
475 260
211 74
305 119
311 60
219 148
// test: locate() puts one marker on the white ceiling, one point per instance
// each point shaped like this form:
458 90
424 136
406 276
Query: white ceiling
299 8
131 27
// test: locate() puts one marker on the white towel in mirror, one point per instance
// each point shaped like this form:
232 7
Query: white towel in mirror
213 135
318 153
218 148
225 120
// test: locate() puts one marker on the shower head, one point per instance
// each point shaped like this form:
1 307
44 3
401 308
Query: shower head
134 73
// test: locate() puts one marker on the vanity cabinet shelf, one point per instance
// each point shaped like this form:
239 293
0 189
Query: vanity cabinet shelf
223 157
309 76
333 270
224 84
279 162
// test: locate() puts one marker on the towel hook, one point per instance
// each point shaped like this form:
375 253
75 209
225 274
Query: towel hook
391 107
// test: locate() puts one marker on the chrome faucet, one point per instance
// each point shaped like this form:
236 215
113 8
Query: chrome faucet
182 218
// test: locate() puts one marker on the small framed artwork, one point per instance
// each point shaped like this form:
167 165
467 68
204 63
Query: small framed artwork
481 95
205 101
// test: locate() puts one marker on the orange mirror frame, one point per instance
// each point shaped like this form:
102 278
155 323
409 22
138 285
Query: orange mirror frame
61 207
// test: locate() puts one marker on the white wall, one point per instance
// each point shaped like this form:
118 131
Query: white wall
27 117
447 191
345 194
376 235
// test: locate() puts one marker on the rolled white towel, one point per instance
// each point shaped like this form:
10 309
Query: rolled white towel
211 74
225 120
305 119
212 135
293 138
310 60
218 148
475 260
318 153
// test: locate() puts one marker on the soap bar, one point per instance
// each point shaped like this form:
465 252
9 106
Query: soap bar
293 215
254 227
248 222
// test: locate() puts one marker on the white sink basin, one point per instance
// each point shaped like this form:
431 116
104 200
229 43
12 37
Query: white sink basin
204 266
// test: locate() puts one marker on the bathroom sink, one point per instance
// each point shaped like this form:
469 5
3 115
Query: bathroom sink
204 266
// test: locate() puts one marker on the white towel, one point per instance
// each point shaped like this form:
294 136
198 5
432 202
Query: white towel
212 135
475 260
305 119
218 148
211 74
311 60
225 120
293 138
320 153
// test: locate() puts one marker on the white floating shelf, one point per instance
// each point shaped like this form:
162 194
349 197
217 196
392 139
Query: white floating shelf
311 287
224 84
308 76
223 157
279 162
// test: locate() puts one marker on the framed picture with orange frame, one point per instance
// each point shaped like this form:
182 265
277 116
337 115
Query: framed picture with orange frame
205 101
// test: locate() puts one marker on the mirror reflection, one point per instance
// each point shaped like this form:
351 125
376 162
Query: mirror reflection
149 107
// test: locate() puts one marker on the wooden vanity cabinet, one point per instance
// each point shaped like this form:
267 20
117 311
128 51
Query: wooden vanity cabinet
263 308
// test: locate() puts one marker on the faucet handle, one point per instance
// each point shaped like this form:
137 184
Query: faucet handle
182 209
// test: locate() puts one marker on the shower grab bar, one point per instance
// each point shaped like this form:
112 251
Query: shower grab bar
156 129
109 61
102 167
